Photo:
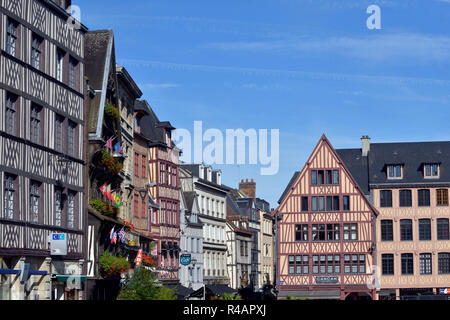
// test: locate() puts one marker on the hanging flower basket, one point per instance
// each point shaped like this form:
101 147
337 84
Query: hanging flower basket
111 266
103 207
110 164
112 112
149 261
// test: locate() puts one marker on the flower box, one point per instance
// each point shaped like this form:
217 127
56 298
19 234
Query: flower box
111 265
112 112
110 164
103 207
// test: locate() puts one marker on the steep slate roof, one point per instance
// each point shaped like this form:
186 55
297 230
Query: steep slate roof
289 186
357 165
412 155
99 67
189 197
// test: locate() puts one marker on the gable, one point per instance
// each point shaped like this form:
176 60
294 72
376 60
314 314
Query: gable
324 158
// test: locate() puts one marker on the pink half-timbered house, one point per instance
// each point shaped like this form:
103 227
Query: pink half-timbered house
325 232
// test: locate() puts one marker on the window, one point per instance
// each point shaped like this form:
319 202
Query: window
444 263
59 120
394 171
11 104
9 196
333 232
144 166
425 263
71 209
407 264
298 264
301 232
136 205
318 232
58 207
73 64
71 129
424 229
355 263
431 170
329 177
326 264
351 232
35 123
387 264
36 43
304 204
313 177
386 198
314 203
11 37
321 204
320 177
35 201
336 203
136 164
346 203
60 65
405 198
329 203
162 173
406 230
424 198
442 229
144 209
335 177
387 233
442 197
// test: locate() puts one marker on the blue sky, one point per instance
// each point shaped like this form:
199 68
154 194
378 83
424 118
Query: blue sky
305 67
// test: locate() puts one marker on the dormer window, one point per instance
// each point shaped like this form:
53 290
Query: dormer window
395 171
431 170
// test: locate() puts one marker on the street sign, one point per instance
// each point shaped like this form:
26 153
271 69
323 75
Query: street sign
185 259
58 244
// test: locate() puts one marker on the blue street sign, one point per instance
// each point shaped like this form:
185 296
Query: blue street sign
185 259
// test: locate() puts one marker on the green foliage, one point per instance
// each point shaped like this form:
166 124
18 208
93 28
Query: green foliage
103 207
113 265
110 164
231 296
112 111
294 298
143 286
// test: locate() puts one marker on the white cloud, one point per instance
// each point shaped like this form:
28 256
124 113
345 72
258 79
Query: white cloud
372 47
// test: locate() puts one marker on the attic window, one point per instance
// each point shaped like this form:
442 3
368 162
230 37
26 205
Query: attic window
431 170
395 171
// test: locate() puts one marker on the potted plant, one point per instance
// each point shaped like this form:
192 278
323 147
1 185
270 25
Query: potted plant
111 265
103 207
110 164
112 111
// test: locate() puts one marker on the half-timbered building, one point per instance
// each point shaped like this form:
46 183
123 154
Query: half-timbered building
326 232
42 161
163 188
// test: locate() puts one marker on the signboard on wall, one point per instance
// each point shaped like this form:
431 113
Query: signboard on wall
58 244
327 280
185 259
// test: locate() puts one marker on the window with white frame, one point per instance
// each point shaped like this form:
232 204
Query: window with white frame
35 197
9 196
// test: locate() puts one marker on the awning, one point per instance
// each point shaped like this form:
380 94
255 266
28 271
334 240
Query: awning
176 247
65 277
164 246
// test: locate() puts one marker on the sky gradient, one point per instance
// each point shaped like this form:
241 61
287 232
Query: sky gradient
305 67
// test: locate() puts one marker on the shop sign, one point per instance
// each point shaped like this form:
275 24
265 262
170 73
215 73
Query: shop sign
58 244
327 280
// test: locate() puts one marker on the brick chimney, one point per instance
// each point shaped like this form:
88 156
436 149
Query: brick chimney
249 188
365 141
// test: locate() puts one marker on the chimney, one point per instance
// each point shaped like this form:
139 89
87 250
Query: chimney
365 140
249 188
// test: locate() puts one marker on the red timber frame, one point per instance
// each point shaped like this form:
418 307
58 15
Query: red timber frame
166 233
361 212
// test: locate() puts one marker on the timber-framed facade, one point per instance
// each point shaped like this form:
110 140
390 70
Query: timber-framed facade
325 233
